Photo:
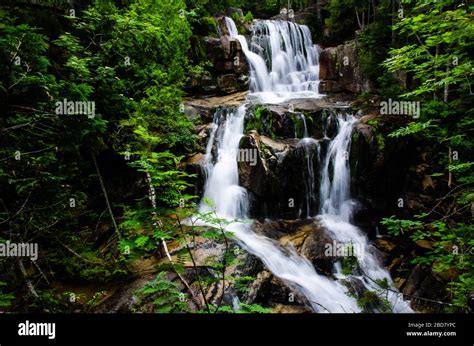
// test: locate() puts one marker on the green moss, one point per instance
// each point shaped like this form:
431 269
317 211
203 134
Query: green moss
298 123
239 23
373 122
260 121
379 138
355 137
380 141
248 17
5 298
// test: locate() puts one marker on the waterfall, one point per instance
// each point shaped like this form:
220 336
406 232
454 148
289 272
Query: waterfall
222 184
231 203
284 62
335 193
311 148
336 211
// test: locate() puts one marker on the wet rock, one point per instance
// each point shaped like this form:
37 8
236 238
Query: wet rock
277 229
195 159
394 265
356 287
224 66
311 240
424 244
207 106
423 283
399 282
314 250
328 69
227 84
214 48
253 172
329 86
271 291
284 189
276 181
379 166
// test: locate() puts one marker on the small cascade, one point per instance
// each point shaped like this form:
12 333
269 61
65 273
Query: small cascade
336 209
335 187
284 62
311 148
222 184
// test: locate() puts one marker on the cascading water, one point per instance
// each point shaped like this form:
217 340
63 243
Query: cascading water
222 184
284 62
311 148
335 194
230 202
293 63
336 211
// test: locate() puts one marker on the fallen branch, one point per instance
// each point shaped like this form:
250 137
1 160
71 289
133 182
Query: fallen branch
29 284
104 191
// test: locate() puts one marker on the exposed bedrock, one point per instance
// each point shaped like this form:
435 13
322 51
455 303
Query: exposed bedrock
340 70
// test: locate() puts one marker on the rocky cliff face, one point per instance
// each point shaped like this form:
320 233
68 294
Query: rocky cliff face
340 70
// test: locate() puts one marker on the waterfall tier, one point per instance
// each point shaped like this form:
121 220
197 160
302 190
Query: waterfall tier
284 62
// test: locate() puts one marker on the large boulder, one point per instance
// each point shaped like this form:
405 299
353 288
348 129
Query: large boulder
277 180
311 240
275 183
328 69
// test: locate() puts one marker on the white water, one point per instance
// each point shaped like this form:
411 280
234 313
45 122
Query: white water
222 184
293 62
336 211
284 62
311 148
335 193
230 202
